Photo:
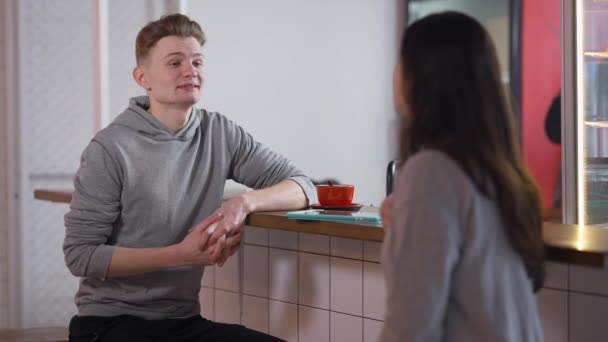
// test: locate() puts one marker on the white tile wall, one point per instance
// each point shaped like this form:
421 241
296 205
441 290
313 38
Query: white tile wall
283 320
256 270
588 318
314 243
371 330
313 279
553 311
283 281
313 325
227 308
346 286
347 248
227 276
371 251
255 313
374 291
256 236
283 239
207 297
345 328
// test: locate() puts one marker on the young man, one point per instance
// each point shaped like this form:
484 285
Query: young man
147 212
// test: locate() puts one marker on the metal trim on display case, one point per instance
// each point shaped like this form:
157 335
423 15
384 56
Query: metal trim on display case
515 42
569 119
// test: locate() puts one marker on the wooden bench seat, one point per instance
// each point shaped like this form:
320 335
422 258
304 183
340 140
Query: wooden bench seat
52 334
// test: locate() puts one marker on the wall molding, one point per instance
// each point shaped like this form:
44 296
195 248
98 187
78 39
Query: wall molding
11 172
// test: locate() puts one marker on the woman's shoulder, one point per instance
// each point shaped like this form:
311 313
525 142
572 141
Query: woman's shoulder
431 161
434 170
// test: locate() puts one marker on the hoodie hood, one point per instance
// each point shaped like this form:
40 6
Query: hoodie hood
137 118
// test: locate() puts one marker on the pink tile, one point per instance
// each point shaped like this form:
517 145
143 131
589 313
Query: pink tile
347 248
314 243
346 286
588 279
553 311
346 328
206 297
283 239
371 330
313 325
313 280
374 291
227 307
227 276
588 318
371 251
283 320
256 236
256 271
255 313
283 270
207 280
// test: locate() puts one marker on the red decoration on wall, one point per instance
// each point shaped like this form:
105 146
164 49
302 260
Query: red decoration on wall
541 82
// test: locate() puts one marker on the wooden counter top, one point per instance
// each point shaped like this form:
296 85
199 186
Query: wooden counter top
585 245
351 230
55 334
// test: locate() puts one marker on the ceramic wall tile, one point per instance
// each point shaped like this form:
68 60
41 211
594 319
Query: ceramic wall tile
313 279
346 285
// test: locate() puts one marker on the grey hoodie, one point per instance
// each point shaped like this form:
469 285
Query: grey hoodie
140 185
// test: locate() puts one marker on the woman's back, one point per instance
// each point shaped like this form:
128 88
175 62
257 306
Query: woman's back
452 273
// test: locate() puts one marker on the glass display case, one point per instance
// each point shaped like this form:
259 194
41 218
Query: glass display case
585 112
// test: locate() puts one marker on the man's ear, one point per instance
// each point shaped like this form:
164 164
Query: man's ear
140 77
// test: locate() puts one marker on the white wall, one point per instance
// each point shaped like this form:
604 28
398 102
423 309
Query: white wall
311 79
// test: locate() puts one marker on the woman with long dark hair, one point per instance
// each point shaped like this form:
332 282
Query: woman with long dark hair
463 252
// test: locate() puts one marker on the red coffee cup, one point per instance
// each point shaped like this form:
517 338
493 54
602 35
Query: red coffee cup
335 195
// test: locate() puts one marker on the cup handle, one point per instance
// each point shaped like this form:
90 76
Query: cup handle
390 176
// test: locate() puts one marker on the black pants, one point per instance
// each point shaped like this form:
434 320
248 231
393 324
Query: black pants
134 329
